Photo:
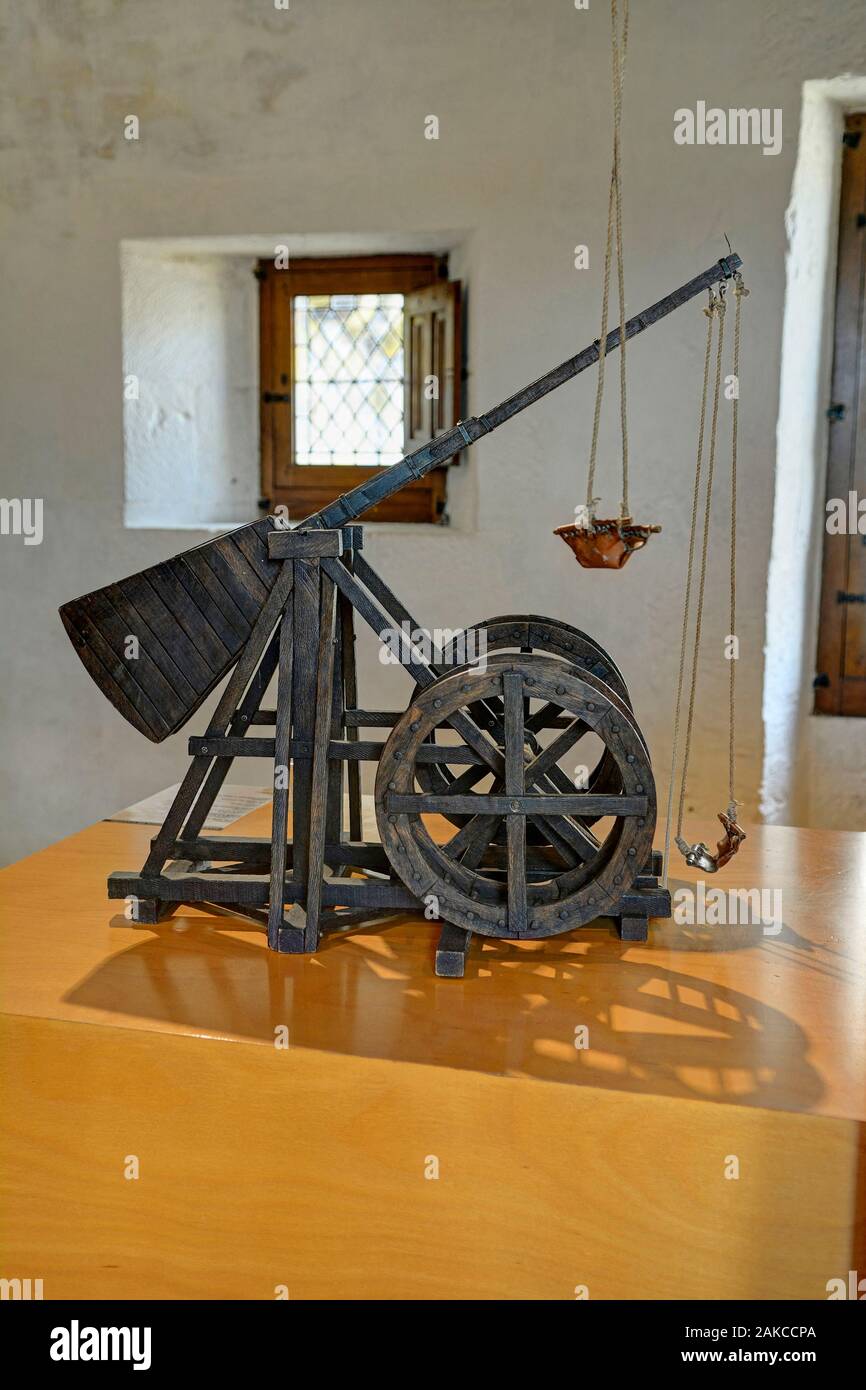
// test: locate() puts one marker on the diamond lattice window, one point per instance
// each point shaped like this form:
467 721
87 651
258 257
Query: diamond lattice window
348 351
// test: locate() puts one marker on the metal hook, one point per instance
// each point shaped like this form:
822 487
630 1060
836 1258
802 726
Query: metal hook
700 856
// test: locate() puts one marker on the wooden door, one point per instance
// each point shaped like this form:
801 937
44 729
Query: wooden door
840 685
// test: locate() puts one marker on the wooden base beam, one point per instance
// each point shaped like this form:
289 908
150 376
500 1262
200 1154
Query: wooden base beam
452 951
253 890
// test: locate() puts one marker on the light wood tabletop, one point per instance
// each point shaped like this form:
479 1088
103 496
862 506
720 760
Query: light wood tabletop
564 1166
733 1013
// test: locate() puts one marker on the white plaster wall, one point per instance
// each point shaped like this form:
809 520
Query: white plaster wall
814 765
191 414
311 122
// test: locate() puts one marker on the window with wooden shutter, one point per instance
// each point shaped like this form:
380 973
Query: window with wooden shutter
360 363
840 682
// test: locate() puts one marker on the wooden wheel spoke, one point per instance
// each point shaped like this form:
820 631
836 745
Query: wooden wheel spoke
467 780
472 857
570 848
470 842
477 832
476 739
551 755
493 725
577 836
512 686
542 717
485 828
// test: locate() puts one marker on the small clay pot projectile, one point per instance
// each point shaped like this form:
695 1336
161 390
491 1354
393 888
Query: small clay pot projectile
605 545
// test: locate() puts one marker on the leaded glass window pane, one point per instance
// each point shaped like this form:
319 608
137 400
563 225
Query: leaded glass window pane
348 379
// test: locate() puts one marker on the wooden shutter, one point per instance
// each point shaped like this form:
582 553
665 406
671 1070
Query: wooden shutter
840 686
432 344
276 375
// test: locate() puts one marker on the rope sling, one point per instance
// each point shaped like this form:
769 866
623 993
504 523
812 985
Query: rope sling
619 49
608 544
698 855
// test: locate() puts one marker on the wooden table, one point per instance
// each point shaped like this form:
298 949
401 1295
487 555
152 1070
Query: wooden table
312 1168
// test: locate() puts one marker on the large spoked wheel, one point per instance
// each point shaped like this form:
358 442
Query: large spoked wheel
528 634
517 888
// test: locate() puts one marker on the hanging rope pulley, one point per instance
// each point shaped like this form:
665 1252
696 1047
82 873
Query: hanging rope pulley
698 855
607 544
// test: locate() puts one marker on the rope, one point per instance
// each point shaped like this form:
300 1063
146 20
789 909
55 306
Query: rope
680 842
740 293
619 46
711 319
620 251
717 310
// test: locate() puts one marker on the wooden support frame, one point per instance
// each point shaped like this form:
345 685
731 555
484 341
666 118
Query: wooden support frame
282 755
325 875
320 770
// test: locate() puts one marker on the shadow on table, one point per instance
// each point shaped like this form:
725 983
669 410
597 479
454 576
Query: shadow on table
583 1008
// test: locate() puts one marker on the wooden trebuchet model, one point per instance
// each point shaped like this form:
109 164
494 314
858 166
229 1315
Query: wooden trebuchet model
518 847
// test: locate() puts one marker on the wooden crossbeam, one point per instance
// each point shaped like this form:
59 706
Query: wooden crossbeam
255 849
254 890
535 804
339 750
